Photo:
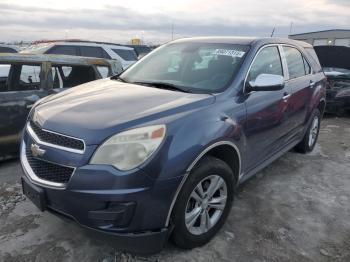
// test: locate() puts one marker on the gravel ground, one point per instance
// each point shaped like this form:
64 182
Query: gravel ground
297 209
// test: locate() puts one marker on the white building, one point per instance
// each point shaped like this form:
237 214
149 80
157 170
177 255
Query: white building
339 37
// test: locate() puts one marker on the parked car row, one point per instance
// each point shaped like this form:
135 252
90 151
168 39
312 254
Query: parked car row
24 79
126 55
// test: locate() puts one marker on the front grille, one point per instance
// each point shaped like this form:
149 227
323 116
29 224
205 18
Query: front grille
56 139
49 171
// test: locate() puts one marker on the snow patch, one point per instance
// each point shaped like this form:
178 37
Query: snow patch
317 151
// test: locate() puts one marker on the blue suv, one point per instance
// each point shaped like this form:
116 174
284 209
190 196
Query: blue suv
157 151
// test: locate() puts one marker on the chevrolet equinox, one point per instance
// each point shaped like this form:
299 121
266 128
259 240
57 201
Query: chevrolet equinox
158 151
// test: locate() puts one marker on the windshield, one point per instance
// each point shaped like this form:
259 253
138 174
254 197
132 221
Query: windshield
196 67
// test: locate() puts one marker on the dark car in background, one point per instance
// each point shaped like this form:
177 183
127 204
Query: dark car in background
8 49
335 61
24 79
159 150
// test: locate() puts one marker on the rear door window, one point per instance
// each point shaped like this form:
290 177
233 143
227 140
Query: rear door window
295 62
268 61
63 50
93 51
127 55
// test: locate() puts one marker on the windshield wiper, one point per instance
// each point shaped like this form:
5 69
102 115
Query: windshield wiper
164 85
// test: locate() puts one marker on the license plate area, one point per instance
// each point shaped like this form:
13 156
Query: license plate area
35 194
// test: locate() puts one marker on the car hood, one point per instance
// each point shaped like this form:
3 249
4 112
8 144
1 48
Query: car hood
101 108
334 56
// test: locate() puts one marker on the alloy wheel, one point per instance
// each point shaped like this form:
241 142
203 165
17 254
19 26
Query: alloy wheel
206 204
313 131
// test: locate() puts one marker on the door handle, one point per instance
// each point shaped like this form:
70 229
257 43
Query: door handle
286 96
312 84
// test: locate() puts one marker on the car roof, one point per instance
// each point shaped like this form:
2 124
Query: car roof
43 47
57 59
244 40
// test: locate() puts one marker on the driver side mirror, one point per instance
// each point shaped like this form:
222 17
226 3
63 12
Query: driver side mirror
266 82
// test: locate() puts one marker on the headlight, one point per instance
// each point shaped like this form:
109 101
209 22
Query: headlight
131 148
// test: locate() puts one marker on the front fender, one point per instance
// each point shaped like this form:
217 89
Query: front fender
188 137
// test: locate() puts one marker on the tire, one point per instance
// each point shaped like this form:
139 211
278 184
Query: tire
209 171
309 141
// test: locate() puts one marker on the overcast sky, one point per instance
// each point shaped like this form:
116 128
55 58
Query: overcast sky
121 20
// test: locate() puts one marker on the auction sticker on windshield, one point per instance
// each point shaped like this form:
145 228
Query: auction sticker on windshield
229 52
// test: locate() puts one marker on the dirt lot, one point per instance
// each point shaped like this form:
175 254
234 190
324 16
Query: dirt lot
297 209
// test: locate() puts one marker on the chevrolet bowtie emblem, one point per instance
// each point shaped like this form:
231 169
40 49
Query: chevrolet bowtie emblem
36 150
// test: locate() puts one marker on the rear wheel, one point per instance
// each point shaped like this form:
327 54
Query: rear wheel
203 203
310 138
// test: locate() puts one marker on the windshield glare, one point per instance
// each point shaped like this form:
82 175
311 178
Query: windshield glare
200 67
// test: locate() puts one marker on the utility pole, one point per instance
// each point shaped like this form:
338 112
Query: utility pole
172 31
291 28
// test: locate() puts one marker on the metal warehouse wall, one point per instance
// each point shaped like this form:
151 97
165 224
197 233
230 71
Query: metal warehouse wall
329 37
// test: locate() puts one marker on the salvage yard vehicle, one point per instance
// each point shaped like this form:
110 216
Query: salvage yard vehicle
125 55
335 61
24 79
8 49
159 150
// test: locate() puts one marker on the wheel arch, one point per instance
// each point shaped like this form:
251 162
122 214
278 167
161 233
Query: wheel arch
226 151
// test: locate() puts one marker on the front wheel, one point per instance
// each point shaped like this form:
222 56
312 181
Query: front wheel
203 203
310 138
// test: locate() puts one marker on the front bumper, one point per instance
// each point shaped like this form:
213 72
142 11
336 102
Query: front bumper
129 205
148 242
